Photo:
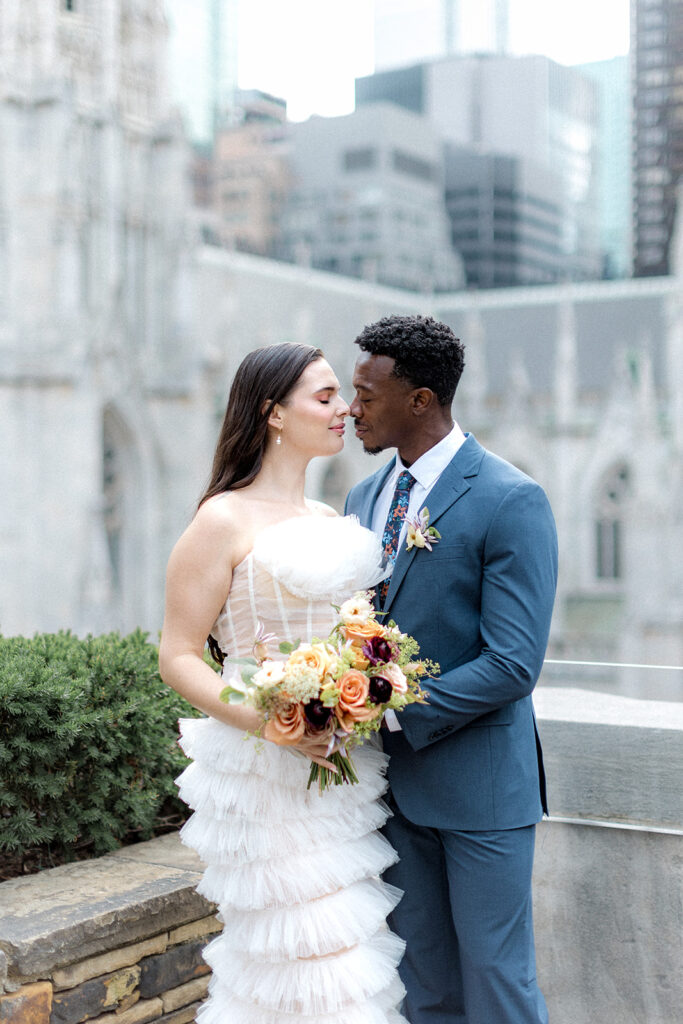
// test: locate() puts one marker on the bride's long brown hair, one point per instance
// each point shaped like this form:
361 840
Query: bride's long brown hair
263 380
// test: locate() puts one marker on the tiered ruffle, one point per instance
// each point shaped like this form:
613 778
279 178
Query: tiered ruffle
295 876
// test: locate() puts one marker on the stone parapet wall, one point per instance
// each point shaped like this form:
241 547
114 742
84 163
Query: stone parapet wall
117 940
608 873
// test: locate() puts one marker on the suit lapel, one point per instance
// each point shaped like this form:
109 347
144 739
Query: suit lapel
449 488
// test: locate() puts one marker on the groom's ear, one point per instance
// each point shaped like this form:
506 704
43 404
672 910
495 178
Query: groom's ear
421 400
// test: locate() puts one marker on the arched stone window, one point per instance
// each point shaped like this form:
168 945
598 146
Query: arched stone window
127 475
609 529
113 495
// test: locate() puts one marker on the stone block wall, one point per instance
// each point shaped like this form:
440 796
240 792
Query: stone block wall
135 914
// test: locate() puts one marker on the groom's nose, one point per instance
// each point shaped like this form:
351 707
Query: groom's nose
355 408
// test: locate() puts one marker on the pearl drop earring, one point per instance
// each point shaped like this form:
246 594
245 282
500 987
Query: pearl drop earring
278 439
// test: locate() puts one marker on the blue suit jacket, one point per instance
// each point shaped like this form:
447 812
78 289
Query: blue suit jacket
480 604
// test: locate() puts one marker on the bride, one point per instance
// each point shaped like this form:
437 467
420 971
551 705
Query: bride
294 872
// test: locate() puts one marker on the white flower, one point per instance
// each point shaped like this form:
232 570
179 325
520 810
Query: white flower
415 537
302 683
356 610
270 673
419 533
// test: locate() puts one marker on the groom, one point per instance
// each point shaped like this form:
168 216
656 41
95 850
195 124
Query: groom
466 773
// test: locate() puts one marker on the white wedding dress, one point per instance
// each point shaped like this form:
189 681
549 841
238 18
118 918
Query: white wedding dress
295 873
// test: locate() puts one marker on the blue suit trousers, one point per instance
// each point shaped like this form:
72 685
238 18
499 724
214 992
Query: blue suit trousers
467 915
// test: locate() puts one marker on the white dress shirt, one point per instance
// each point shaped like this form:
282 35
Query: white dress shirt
426 470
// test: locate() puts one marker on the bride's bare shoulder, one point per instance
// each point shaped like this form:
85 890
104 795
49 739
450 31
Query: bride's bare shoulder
320 508
220 511
220 523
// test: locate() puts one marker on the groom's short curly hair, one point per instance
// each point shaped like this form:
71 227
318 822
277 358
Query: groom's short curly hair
426 353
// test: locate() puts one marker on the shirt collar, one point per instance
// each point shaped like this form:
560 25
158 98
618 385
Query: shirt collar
429 467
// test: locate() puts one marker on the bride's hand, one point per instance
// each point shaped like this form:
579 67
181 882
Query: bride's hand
316 750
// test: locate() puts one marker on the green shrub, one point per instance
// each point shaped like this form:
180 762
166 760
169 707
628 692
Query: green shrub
88 745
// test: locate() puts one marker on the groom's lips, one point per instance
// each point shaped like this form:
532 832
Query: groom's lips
360 429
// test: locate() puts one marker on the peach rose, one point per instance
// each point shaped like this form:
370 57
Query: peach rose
319 657
286 727
359 632
353 693
395 675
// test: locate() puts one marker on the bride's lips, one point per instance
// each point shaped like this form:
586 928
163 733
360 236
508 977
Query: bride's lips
339 429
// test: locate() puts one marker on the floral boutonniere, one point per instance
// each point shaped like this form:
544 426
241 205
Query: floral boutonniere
420 534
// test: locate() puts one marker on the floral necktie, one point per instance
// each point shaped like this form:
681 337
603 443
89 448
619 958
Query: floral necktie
392 529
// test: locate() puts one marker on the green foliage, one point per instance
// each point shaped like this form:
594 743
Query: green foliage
88 744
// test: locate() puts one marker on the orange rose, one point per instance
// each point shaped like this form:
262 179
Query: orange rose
353 693
287 727
358 633
320 657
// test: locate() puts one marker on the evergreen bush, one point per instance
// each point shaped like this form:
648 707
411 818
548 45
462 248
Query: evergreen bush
88 746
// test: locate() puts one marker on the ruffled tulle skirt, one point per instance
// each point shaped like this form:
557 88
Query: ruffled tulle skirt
295 875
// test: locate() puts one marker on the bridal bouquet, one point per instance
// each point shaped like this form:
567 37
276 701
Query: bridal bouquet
336 689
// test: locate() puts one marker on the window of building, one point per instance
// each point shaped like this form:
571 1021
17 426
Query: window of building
651 58
650 235
651 19
651 255
654 176
650 214
653 136
612 496
653 37
406 163
360 159
648 116
654 77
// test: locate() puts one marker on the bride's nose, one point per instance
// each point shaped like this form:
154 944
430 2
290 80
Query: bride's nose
343 408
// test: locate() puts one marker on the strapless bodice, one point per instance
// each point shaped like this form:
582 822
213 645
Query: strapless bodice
287 584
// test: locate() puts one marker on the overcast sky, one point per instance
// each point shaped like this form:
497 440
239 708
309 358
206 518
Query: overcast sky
313 49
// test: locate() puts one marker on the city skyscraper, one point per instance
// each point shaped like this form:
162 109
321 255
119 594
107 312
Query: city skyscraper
408 31
529 108
657 69
614 161
202 55
367 199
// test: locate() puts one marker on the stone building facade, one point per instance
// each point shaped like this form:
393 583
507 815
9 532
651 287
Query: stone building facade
119 336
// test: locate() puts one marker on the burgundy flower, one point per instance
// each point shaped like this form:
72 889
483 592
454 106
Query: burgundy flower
378 650
380 690
316 713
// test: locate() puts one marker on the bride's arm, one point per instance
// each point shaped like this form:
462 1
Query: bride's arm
197 584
